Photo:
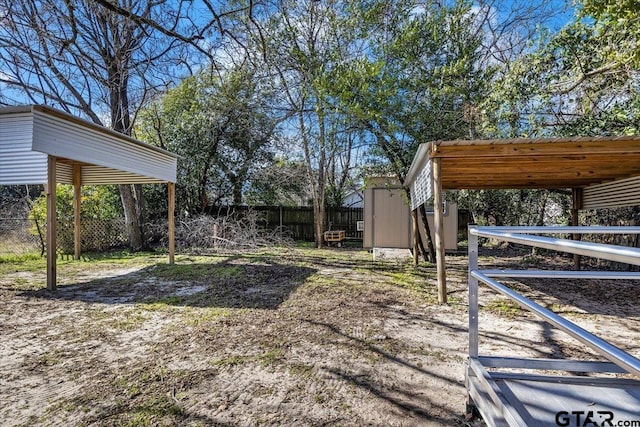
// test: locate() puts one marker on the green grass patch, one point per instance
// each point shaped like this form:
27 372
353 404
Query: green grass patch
199 316
128 321
271 357
302 370
197 271
235 360
21 258
504 307
157 410
162 304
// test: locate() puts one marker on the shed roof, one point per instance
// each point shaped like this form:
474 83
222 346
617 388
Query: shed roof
28 134
531 163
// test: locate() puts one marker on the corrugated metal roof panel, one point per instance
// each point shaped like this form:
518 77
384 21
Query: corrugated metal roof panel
29 133
95 175
64 173
53 135
614 194
18 164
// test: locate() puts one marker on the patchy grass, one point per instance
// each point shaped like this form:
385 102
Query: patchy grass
234 360
504 307
278 336
198 269
21 258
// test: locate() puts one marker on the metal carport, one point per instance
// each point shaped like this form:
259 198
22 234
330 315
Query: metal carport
42 145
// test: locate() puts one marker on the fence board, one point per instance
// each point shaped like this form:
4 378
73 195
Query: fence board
298 220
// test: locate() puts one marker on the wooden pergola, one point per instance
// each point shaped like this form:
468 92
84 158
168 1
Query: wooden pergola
41 145
601 172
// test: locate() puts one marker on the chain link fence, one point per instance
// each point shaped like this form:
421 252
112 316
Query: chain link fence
19 236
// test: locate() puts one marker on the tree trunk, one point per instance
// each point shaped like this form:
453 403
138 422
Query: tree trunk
318 219
131 217
236 188
141 214
131 196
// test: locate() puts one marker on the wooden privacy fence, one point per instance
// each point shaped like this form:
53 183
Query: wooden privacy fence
298 221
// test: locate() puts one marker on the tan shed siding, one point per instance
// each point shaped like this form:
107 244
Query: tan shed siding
387 216
623 192
391 218
368 217
450 227
18 164
58 137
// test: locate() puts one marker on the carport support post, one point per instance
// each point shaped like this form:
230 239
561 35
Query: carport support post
172 206
51 223
439 226
77 201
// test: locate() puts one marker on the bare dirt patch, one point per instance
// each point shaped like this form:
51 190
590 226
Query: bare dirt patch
283 337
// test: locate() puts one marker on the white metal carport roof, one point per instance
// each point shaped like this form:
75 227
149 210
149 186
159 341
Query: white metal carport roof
28 134
42 145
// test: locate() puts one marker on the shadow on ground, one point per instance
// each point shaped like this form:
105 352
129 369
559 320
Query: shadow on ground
230 282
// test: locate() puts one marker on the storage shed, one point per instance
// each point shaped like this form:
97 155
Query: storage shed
387 217
601 171
41 145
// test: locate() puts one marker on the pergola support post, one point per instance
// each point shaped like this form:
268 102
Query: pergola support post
51 223
77 202
171 219
438 217
416 235
576 194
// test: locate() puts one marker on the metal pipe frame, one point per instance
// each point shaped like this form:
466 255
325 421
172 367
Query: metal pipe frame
559 229
563 274
611 352
481 384
518 235
596 250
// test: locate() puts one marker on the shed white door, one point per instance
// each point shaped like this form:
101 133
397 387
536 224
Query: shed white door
391 219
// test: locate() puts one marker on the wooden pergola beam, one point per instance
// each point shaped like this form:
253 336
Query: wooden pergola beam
523 183
475 149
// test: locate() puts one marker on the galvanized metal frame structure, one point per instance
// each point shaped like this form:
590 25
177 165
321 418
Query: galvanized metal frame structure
601 171
498 395
41 145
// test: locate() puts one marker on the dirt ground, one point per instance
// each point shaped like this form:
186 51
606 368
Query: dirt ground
295 337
